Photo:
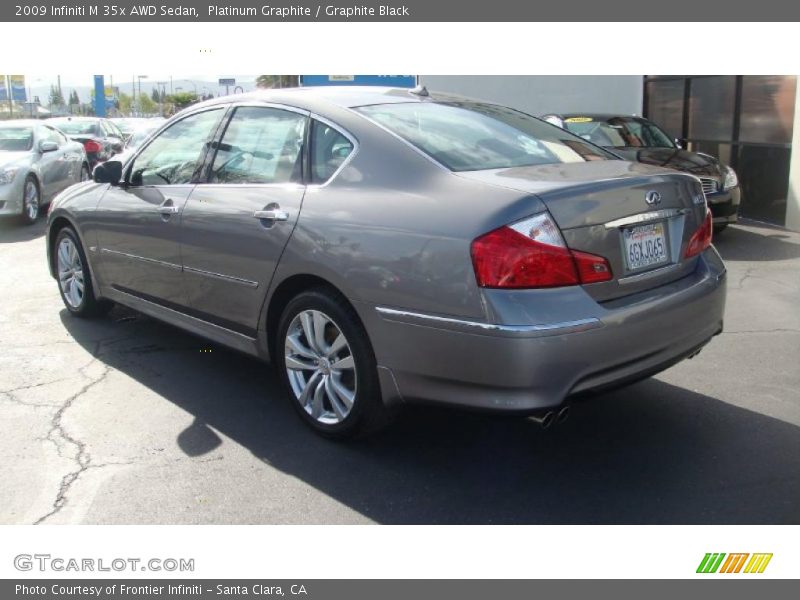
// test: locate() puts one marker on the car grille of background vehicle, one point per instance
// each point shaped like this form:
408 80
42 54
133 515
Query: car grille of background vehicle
709 185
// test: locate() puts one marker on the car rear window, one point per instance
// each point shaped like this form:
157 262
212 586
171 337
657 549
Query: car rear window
77 127
472 136
619 132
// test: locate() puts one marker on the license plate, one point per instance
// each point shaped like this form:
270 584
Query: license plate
645 246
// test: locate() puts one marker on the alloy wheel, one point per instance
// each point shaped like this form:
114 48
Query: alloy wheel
70 272
31 198
320 367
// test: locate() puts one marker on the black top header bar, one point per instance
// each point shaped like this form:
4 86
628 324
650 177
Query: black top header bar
407 10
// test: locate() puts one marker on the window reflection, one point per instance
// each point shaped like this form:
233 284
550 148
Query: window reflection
665 105
767 109
711 106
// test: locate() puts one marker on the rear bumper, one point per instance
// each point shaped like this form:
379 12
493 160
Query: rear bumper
725 205
527 368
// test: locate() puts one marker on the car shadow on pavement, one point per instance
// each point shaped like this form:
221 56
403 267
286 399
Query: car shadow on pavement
650 453
12 231
757 243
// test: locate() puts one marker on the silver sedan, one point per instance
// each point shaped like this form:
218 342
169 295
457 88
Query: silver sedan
385 246
37 162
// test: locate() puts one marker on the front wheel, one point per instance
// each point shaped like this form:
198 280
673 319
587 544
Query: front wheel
74 281
31 201
328 366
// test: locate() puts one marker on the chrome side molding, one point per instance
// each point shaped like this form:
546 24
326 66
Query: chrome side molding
483 328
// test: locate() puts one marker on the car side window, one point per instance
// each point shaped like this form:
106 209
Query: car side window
329 149
260 145
49 134
174 155
112 130
56 136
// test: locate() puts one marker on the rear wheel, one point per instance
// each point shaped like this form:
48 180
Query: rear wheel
74 281
328 367
31 201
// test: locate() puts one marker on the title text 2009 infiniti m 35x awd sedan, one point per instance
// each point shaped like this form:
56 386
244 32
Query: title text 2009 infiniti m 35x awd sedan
382 246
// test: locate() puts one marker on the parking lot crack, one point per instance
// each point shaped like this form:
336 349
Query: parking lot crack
21 388
11 397
63 439
748 273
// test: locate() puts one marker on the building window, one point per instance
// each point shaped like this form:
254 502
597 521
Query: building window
745 121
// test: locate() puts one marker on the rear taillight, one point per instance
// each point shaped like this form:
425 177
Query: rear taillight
591 268
532 254
92 146
701 239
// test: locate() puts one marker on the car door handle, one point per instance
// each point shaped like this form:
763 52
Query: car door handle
168 210
271 215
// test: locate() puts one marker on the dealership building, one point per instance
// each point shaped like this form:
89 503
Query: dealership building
749 122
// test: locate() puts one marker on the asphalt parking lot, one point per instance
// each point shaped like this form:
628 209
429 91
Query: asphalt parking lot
126 420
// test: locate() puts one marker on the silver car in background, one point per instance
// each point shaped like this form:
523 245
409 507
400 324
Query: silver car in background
386 246
37 162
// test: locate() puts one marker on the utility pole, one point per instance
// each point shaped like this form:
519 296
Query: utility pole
10 99
140 77
163 93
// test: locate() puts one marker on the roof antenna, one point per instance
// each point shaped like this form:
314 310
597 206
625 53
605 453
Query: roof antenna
419 90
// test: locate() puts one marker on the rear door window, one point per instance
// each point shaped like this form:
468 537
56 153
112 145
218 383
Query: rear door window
329 149
261 145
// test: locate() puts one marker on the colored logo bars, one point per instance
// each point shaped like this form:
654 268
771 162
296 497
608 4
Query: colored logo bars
713 563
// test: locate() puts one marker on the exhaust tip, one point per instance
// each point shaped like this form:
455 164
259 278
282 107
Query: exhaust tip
563 414
544 420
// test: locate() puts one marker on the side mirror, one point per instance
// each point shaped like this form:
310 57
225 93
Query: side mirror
108 172
47 146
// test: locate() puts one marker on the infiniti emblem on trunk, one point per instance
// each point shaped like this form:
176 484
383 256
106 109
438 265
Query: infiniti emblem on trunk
652 197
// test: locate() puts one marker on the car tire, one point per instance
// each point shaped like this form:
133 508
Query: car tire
327 365
31 201
74 280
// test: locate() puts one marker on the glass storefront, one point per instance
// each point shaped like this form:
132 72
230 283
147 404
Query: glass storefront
746 121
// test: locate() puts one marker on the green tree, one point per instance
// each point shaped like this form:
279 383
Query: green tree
155 96
182 99
146 105
277 81
125 103
56 97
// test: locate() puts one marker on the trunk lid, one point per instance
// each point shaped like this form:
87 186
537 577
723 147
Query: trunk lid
640 218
